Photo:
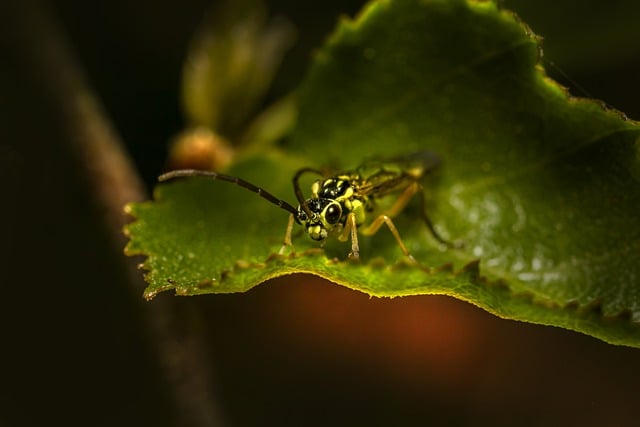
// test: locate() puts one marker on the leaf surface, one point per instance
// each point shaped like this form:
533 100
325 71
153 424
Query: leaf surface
543 189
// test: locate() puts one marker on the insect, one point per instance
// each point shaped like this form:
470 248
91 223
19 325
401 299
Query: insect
341 203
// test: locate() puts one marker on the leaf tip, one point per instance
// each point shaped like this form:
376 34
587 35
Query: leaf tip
128 209
149 295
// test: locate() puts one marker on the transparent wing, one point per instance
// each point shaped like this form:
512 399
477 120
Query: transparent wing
381 177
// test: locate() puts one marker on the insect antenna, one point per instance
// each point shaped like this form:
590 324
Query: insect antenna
184 173
298 191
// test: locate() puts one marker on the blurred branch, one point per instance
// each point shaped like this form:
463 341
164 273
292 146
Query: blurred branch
113 182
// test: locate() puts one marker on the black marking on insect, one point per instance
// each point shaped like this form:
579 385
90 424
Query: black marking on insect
340 204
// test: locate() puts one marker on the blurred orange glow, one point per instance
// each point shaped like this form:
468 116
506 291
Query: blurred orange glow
201 149
435 337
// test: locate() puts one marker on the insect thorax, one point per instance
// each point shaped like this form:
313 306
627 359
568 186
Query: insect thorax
344 190
334 188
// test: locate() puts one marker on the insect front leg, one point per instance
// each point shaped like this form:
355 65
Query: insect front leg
351 230
287 236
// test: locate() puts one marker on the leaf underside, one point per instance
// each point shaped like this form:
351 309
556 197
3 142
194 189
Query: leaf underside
541 188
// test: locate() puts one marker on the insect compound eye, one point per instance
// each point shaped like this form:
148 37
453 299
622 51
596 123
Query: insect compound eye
332 213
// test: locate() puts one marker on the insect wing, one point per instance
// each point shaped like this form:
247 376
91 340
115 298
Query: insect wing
417 164
381 177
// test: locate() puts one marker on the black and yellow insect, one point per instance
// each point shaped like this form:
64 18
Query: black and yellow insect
341 203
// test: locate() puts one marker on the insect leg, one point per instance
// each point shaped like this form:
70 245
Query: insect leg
402 201
287 236
404 198
373 228
351 230
427 221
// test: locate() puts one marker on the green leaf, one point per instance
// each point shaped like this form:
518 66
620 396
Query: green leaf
542 188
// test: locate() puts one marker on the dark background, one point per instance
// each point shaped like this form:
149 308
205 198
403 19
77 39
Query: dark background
292 352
